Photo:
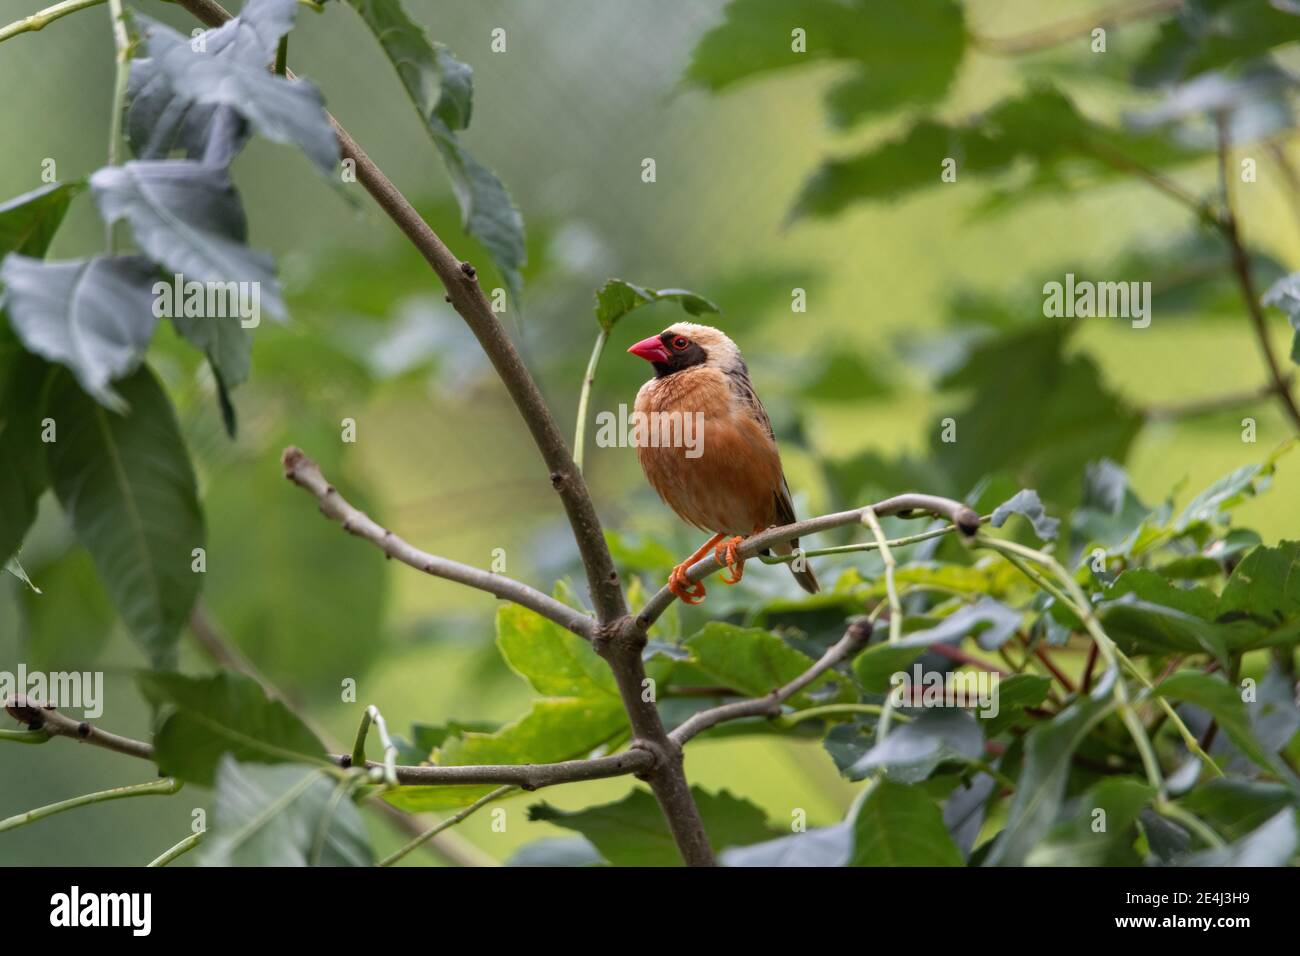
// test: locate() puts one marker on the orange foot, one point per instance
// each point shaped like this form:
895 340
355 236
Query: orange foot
726 555
688 591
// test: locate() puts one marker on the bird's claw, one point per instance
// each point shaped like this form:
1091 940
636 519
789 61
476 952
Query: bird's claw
686 590
727 557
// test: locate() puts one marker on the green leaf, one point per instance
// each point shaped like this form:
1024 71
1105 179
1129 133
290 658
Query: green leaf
1223 702
1033 410
1016 694
911 752
28 222
1209 34
1264 590
617 297
633 832
1040 129
230 70
22 456
94 316
904 51
581 712
440 88
1273 844
282 816
750 660
219 715
554 729
1088 838
187 217
557 662
827 846
128 489
1049 749
899 825
1027 504
1234 807
1212 505
557 851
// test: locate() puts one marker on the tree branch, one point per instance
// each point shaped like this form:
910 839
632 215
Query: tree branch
306 474
966 520
460 280
848 646
1059 33
1241 268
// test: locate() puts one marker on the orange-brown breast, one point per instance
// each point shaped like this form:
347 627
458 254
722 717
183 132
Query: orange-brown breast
732 486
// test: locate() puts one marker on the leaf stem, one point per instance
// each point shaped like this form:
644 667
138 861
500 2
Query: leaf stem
122 71
180 849
164 787
41 18
444 824
584 396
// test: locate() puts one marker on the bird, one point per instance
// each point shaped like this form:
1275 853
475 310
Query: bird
732 483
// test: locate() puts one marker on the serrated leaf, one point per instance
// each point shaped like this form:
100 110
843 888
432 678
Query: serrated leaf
94 316
557 662
128 489
22 456
226 714
1040 128
282 816
617 297
911 752
187 217
231 70
899 825
633 832
904 51
440 88
750 660
1027 504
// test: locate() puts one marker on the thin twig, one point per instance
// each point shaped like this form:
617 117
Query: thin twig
1250 295
444 824
1081 26
584 397
180 849
854 640
908 505
164 787
306 474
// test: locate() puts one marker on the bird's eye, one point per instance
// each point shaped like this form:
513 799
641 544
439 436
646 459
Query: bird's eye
680 343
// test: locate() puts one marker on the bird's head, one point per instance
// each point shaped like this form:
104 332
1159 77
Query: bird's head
686 345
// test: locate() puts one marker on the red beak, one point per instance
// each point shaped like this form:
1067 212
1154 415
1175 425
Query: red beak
651 349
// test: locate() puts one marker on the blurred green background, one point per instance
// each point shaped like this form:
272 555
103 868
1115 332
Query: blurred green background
585 90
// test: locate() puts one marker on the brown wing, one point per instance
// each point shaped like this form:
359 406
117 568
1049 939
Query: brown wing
783 503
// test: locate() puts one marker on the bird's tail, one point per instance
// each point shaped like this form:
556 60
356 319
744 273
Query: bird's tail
800 568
